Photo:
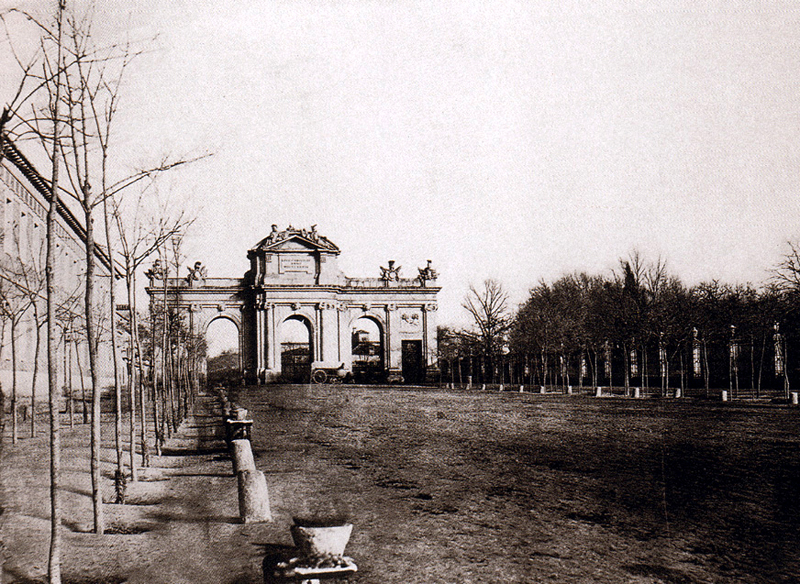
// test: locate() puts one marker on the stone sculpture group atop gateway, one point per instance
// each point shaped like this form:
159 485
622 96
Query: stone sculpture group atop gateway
294 276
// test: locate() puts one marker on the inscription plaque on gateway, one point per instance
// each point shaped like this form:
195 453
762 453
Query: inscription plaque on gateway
303 264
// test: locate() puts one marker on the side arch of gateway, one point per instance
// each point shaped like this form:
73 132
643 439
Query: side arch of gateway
294 276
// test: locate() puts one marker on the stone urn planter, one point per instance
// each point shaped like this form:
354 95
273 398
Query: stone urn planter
321 541
320 551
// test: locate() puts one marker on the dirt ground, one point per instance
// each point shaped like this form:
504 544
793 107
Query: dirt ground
445 486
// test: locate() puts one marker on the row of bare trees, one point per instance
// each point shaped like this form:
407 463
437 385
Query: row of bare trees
67 101
638 326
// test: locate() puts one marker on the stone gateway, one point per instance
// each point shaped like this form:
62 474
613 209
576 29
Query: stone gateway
378 329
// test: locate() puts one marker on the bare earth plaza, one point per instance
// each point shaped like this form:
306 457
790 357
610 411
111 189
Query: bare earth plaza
402 292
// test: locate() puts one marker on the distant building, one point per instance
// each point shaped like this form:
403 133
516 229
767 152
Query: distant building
294 276
24 206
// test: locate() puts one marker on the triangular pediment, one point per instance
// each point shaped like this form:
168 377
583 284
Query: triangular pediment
292 244
295 240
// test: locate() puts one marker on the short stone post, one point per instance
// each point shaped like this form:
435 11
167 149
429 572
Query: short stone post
483 387
253 497
242 456
569 390
598 392
677 392
724 395
501 387
794 398
469 381
521 388
637 392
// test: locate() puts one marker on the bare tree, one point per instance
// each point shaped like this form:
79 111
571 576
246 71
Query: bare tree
786 275
23 271
54 558
92 92
14 304
140 237
489 308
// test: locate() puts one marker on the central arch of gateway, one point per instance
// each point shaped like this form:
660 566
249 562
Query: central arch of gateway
294 276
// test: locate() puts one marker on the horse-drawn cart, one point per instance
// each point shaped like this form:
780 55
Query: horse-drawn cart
330 374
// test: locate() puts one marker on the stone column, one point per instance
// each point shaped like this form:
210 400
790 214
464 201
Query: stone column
328 333
394 346
271 338
345 347
260 339
429 349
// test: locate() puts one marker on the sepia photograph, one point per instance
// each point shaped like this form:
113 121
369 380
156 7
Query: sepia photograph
399 292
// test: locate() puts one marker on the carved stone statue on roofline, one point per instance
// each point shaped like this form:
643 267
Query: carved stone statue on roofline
196 274
427 273
390 274
156 272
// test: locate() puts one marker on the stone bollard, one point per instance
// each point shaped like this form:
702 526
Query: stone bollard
501 387
794 398
724 395
242 456
569 390
637 392
677 392
469 381
521 388
598 392
483 387
253 497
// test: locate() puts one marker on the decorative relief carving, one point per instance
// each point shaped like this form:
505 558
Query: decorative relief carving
410 319
391 307
276 236
430 307
295 306
327 306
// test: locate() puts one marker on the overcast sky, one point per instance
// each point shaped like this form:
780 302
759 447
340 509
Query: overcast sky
512 140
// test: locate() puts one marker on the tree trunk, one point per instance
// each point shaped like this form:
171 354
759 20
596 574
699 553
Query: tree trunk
14 435
165 382
35 370
645 377
54 556
154 378
83 384
139 373
120 473
761 364
626 360
68 380
131 375
97 496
